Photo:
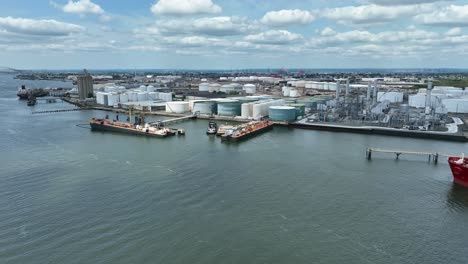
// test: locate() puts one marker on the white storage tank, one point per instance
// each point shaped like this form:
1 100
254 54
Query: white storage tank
251 89
142 88
456 105
214 87
167 97
142 96
300 84
282 113
309 85
248 86
153 96
293 93
123 97
393 97
227 88
132 96
203 87
177 107
285 90
112 99
260 109
246 110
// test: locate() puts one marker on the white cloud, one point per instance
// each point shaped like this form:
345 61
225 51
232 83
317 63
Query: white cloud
184 7
402 2
451 15
38 27
275 37
82 7
287 18
367 14
211 26
454 32
222 26
328 32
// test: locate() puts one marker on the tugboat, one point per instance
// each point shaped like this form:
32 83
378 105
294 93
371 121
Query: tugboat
459 167
246 131
212 128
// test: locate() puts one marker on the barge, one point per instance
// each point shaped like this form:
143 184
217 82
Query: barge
246 131
119 127
459 168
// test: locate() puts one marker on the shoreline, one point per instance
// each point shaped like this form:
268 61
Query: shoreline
381 131
453 137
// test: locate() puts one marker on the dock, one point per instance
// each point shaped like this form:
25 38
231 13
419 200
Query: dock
58 111
174 120
432 156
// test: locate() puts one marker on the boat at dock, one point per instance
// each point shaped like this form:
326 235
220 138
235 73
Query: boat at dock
142 130
212 128
246 131
459 167
23 93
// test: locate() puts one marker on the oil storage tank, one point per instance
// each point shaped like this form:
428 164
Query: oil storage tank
282 113
205 107
177 107
229 108
214 87
300 109
203 87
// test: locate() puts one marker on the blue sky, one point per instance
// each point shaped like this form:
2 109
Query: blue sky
233 34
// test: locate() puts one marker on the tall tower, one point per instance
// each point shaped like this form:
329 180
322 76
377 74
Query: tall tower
85 85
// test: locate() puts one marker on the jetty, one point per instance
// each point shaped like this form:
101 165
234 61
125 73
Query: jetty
58 110
174 120
432 156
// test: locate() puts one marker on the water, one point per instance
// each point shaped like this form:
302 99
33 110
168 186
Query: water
69 195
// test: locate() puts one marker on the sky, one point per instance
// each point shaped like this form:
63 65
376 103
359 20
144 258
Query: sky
233 34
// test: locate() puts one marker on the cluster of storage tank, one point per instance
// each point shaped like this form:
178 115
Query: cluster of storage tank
226 88
266 79
442 98
289 91
329 86
143 93
258 109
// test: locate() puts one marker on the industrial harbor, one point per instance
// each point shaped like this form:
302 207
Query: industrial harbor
396 104
221 131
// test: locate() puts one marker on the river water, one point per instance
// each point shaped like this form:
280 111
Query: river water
70 195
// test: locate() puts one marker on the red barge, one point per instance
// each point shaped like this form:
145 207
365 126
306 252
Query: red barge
246 131
459 167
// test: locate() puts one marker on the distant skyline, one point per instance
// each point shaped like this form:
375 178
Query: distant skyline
233 34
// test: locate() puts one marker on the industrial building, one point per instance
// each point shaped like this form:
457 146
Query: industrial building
85 85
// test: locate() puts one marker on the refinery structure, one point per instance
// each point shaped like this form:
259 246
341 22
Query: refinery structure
391 103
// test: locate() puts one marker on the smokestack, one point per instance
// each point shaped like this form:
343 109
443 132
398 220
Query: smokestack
374 96
369 89
338 89
428 98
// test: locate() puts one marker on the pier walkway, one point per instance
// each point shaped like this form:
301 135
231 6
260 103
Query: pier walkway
174 120
434 156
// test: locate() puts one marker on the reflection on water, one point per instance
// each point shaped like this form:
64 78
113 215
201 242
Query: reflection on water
457 198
